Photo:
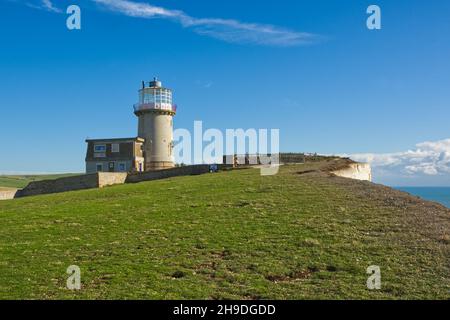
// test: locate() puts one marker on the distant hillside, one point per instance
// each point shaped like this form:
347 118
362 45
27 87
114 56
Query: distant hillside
21 181
301 234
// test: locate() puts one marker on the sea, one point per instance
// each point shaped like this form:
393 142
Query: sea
436 194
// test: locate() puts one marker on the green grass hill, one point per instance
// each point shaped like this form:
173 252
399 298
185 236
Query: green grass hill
301 234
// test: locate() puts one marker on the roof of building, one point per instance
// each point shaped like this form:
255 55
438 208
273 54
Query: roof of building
112 140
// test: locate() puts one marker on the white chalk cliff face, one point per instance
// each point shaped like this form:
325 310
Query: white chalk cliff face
357 171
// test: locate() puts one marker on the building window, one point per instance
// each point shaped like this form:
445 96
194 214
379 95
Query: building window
115 147
100 148
99 167
122 167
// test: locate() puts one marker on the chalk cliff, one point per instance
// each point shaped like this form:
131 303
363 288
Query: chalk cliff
357 171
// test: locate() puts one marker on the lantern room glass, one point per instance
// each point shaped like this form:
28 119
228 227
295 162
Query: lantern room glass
156 96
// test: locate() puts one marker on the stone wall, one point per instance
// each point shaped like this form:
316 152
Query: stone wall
168 173
111 178
283 158
88 181
292 158
102 179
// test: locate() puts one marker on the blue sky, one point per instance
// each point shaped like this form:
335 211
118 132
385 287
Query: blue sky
310 68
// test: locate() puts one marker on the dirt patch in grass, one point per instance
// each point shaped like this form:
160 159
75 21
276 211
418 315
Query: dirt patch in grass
178 274
293 276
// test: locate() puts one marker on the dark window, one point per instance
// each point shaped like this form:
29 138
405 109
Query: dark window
100 148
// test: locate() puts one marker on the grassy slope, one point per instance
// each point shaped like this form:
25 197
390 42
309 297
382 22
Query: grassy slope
21 181
232 235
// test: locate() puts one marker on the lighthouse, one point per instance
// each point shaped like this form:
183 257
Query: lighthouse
155 111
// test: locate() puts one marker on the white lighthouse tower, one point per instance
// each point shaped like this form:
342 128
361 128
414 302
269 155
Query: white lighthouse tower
155 111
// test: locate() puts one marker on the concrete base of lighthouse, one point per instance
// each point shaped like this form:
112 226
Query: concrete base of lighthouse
159 165
155 127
